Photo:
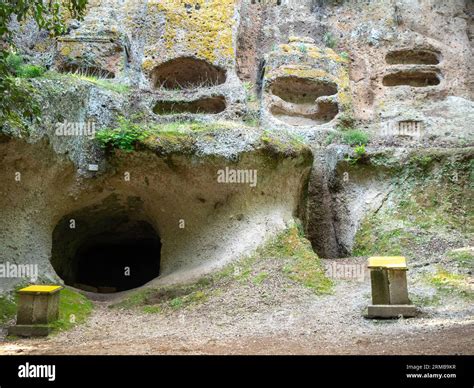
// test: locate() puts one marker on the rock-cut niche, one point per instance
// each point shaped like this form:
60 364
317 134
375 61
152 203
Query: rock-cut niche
206 105
418 69
187 73
301 101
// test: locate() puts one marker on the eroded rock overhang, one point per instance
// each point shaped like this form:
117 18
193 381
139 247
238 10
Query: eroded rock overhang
204 197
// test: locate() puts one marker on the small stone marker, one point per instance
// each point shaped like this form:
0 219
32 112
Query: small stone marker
38 307
388 276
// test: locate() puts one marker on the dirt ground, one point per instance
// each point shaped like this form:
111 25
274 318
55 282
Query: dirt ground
275 316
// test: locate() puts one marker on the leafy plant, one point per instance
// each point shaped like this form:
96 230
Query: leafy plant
360 151
123 137
329 40
359 154
16 97
355 137
18 68
13 62
31 71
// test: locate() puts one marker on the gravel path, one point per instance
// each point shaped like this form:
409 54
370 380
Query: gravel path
276 316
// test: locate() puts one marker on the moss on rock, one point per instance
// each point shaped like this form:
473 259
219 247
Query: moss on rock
430 197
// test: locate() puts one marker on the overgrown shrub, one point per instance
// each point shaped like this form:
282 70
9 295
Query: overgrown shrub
123 137
355 138
19 68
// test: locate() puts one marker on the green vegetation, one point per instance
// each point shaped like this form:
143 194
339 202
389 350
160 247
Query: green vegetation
450 283
252 118
421 161
425 204
373 239
258 279
249 91
347 133
103 83
137 298
152 309
159 300
189 126
355 138
332 137
282 143
360 150
181 136
123 137
329 40
16 101
7 308
432 300
74 309
303 265
166 137
345 55
465 258
399 230
299 263
359 154
18 68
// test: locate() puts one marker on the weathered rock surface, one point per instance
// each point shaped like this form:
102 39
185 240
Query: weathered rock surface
312 73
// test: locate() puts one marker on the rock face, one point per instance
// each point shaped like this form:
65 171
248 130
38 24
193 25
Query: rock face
284 89
304 86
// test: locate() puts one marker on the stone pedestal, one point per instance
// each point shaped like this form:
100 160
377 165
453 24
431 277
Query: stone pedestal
391 311
38 307
388 277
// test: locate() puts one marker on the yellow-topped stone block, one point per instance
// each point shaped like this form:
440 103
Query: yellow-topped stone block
390 262
38 308
39 289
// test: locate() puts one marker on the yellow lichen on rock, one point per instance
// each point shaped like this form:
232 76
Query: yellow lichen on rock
204 27
303 72
343 88
147 65
331 54
65 50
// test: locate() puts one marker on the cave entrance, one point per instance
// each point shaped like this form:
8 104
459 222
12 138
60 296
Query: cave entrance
105 250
